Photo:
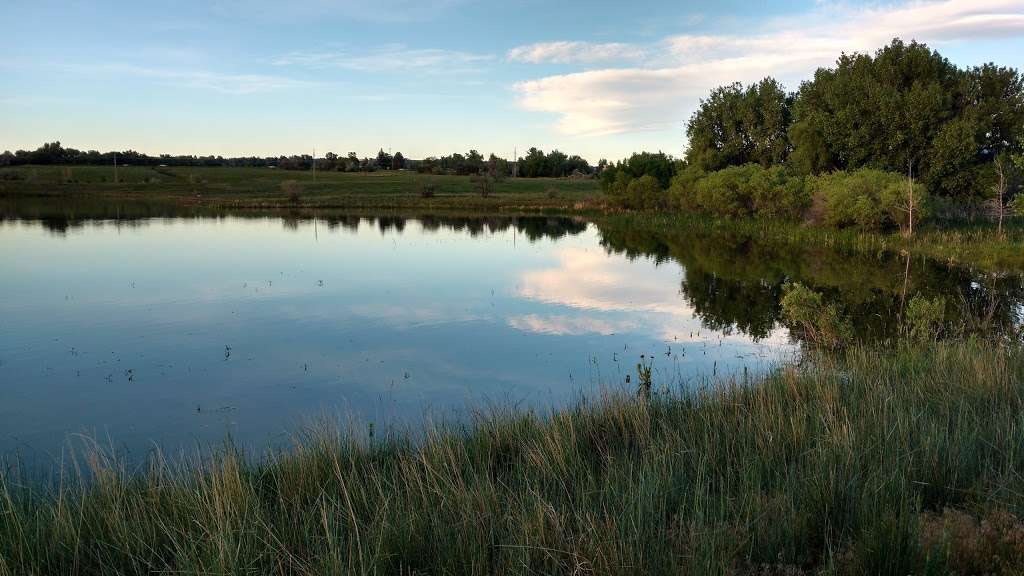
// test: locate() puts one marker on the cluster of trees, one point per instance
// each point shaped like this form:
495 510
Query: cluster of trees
898 126
535 164
554 164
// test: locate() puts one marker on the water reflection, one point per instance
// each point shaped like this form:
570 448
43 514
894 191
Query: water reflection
175 329
733 281
169 324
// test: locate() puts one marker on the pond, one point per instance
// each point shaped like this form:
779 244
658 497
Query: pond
171 330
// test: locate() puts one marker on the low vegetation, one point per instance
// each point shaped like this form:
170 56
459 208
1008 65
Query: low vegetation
859 462
270 188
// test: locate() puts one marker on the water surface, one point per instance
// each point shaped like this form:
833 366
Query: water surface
145 328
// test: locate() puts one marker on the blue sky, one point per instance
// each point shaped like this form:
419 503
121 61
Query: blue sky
430 77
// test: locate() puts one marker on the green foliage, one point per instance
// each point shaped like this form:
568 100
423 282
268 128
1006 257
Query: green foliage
817 323
643 193
1017 205
555 164
908 108
924 318
659 165
737 125
868 199
740 191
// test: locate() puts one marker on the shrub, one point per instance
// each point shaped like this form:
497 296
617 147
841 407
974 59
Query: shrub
1017 205
645 193
818 323
741 191
992 544
291 188
867 198
484 184
426 188
923 318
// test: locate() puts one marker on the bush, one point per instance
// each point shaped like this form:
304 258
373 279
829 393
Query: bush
923 319
291 188
1017 205
426 188
867 198
643 193
741 191
818 323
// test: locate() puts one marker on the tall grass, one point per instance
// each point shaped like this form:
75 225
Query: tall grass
856 463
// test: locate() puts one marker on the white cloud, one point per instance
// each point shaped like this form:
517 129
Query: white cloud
388 58
574 52
664 94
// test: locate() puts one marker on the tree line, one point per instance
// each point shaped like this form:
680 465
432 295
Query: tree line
535 164
867 142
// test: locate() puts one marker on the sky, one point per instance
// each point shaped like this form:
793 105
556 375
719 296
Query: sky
598 78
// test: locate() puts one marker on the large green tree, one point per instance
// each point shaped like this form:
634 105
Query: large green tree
907 109
737 125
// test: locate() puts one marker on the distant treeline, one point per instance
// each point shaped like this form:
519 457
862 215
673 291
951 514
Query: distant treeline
535 164
867 142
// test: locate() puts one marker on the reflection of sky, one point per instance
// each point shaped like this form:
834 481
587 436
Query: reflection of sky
188 329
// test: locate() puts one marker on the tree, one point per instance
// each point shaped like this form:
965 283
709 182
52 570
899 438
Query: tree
398 162
383 160
907 109
737 125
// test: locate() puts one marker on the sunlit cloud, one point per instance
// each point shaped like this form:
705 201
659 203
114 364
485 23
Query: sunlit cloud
566 325
664 93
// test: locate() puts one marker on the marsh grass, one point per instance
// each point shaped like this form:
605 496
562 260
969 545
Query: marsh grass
846 464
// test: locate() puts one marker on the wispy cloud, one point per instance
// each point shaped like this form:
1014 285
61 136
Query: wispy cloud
575 52
215 81
627 99
388 58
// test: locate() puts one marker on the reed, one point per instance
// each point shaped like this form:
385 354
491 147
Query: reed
865 461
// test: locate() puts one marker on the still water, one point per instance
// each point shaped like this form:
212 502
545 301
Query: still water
172 331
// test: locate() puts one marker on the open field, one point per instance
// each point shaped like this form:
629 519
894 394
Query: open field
863 463
272 188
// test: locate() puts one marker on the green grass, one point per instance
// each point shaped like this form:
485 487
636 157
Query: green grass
269 188
907 461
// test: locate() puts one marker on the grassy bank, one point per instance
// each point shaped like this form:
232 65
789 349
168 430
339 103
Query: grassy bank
906 462
272 188
202 190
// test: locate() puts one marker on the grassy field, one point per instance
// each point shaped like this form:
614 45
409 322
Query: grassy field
272 188
906 461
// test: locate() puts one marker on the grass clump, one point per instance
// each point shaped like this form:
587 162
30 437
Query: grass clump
816 322
845 465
